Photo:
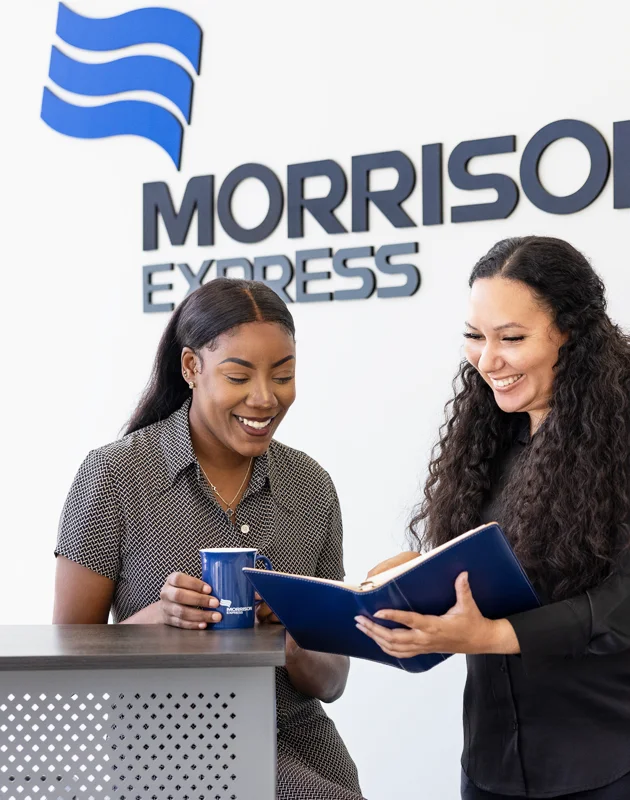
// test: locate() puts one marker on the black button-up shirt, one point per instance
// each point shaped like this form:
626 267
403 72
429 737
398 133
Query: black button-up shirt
555 719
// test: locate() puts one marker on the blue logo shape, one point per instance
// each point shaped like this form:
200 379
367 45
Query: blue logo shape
147 73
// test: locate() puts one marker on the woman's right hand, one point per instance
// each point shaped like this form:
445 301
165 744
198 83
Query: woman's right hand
185 602
395 561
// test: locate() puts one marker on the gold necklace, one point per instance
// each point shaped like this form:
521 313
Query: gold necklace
229 510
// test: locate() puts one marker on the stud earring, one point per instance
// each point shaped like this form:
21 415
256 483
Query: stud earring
191 385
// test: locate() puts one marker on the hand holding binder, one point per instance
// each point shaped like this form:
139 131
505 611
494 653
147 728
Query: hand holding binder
320 614
463 629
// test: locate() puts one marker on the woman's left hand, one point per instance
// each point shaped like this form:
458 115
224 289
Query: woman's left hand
263 613
463 629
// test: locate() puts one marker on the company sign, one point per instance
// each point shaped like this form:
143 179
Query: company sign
206 203
132 73
288 204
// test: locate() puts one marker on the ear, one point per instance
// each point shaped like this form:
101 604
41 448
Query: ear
191 364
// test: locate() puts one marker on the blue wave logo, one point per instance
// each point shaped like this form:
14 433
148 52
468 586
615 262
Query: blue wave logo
132 73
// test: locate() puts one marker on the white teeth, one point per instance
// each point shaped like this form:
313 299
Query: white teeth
507 381
251 423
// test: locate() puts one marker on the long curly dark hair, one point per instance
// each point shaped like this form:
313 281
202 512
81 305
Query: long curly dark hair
567 500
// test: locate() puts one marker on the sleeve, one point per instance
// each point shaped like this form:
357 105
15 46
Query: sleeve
90 528
330 561
596 622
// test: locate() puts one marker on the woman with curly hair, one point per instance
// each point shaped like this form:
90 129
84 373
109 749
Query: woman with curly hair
537 438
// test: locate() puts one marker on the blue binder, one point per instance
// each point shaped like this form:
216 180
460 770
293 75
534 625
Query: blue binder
319 614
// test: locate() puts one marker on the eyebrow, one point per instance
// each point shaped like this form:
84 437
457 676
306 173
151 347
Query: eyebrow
241 362
500 327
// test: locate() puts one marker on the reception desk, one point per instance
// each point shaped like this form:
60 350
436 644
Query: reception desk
138 712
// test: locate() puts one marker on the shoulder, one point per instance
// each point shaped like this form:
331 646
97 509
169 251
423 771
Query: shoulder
142 444
295 469
133 456
297 463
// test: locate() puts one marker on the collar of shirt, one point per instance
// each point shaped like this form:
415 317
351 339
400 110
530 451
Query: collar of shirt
179 455
520 427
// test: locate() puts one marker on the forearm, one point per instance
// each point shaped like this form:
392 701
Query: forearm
503 640
596 622
150 615
320 675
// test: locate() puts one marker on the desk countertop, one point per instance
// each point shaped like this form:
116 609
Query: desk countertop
34 647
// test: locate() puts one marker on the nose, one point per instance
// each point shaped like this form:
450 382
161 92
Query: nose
490 359
262 395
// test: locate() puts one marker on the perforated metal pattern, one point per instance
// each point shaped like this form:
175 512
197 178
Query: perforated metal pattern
138 735
40 737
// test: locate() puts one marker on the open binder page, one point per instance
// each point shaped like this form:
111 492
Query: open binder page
394 572
383 577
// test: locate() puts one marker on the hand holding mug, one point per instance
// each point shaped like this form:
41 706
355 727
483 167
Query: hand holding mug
223 568
186 602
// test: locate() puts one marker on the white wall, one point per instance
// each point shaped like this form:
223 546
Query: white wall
284 82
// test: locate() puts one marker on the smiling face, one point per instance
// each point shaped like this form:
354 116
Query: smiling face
512 340
244 386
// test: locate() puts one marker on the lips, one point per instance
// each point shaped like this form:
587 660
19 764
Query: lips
255 426
507 383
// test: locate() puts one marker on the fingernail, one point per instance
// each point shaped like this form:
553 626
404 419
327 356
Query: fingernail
202 624
216 617
213 602
206 589
380 615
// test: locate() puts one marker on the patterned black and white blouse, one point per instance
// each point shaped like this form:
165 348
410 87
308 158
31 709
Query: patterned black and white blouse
139 509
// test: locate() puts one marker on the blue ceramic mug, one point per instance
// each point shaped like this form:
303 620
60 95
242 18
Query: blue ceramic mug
222 569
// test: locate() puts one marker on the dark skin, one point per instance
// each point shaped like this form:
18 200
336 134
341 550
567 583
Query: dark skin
250 374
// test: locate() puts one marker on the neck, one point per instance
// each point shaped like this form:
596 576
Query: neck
536 419
210 452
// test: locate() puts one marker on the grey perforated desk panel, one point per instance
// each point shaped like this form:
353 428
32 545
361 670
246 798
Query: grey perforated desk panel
137 712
